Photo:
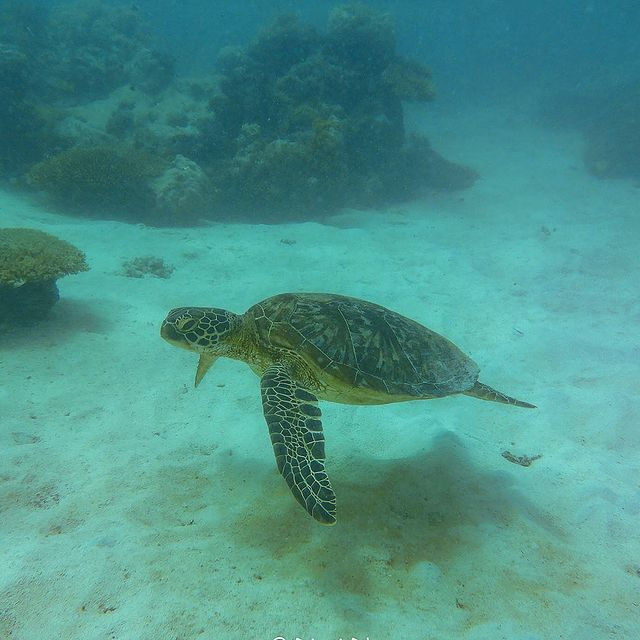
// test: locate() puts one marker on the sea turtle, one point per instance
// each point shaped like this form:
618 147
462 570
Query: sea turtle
311 346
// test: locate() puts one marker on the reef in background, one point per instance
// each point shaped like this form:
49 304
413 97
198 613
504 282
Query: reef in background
609 119
296 123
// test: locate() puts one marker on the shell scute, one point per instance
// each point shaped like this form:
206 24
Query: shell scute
365 345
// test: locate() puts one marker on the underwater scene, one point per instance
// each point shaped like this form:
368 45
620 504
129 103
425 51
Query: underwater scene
319 320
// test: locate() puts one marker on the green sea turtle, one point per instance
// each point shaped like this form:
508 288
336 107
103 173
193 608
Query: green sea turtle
311 346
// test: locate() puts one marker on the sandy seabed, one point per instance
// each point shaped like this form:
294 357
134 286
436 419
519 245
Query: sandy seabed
135 507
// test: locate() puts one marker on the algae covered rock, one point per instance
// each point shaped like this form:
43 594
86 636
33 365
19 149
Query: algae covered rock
30 263
182 191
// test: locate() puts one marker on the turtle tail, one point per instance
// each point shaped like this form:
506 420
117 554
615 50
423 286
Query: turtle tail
485 392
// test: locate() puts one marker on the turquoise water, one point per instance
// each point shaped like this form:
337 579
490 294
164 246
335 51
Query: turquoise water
464 167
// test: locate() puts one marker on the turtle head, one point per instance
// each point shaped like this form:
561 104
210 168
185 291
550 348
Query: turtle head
205 330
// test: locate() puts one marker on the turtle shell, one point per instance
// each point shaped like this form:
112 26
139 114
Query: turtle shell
364 345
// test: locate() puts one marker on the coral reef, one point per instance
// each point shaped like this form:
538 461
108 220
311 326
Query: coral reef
317 120
607 117
146 266
27 128
614 152
612 148
30 263
361 38
108 179
419 163
55 56
298 122
97 45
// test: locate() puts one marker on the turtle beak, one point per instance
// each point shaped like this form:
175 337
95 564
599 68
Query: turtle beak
204 364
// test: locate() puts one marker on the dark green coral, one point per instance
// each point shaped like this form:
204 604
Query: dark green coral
108 178
315 121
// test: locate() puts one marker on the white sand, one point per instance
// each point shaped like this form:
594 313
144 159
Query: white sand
135 507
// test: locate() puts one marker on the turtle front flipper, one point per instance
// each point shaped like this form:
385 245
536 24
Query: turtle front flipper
293 418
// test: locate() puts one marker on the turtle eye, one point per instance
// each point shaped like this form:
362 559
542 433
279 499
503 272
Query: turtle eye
185 325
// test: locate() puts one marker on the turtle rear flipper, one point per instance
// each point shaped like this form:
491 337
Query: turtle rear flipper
485 392
293 418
